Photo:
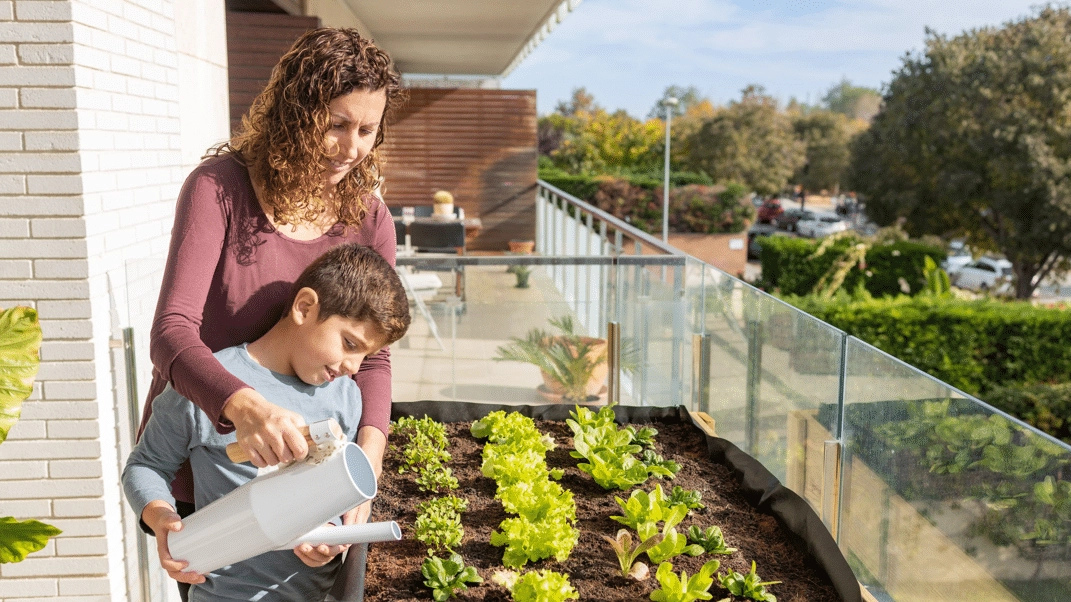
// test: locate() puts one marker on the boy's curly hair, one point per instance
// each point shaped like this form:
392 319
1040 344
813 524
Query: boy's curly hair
282 137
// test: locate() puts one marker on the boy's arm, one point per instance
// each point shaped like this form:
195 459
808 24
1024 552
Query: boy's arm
151 467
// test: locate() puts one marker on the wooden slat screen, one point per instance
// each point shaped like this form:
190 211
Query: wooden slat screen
255 42
478 144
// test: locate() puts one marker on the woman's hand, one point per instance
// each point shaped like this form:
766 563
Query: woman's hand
266 432
162 519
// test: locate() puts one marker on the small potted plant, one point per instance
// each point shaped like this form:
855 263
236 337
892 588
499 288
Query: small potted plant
574 367
444 204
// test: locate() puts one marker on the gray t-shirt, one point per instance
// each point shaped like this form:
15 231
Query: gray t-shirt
178 430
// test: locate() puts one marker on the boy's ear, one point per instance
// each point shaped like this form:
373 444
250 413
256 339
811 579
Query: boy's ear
306 306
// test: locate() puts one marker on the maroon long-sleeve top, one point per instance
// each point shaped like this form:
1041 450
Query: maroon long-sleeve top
228 277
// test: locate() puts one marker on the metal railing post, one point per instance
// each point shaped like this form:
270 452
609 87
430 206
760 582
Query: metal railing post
613 351
754 379
134 418
701 372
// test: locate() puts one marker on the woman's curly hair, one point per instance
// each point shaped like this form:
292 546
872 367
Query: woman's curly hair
282 137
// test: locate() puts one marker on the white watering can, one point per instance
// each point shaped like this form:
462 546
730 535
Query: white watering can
281 509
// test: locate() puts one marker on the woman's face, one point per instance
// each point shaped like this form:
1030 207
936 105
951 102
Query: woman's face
355 121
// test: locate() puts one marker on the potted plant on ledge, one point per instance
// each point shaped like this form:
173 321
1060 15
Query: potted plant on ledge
574 367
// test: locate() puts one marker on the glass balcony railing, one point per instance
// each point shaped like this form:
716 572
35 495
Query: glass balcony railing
931 493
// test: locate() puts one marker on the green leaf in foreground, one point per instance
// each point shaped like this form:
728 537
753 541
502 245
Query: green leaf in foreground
20 341
684 588
18 539
537 586
447 577
748 586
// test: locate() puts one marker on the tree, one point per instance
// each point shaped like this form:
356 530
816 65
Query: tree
856 102
827 136
749 141
581 101
686 98
582 137
975 137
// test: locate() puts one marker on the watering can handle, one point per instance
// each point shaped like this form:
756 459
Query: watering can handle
315 434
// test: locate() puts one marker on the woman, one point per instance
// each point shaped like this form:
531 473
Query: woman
296 180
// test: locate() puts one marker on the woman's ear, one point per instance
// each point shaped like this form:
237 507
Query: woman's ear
306 306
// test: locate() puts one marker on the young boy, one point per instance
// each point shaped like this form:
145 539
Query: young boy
348 304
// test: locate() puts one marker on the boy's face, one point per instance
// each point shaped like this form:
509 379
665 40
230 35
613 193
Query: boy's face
325 350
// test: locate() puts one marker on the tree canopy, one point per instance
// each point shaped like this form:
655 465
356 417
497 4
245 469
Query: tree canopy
750 141
856 102
975 137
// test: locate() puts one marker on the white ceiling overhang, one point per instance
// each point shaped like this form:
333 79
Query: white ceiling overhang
459 37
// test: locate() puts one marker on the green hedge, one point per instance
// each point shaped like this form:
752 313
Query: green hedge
584 186
789 268
1046 407
976 346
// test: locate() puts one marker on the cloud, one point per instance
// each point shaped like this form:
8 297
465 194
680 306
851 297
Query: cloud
627 51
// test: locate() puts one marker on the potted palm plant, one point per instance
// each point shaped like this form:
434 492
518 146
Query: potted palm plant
573 366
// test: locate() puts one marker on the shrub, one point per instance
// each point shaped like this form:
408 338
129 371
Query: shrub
976 346
708 210
1046 407
790 267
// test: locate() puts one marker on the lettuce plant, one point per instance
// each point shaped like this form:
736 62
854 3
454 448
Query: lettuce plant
643 511
672 545
424 452
712 541
691 499
684 588
747 586
20 341
515 456
610 452
447 577
537 586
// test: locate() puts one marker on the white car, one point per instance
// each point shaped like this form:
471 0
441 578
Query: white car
959 255
820 225
985 274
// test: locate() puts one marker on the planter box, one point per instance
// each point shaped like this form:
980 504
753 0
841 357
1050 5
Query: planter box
774 523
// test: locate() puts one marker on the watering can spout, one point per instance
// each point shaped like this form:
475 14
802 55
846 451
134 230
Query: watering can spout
348 534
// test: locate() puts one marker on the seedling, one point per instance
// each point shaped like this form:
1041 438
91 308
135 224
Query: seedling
748 586
673 544
626 554
447 577
680 495
658 466
643 511
710 540
537 586
684 588
438 523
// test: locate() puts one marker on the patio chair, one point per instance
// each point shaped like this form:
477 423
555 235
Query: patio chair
444 238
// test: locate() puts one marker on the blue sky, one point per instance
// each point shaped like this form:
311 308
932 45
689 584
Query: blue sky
626 52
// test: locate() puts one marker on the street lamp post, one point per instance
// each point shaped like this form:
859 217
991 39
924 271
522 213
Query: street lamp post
668 103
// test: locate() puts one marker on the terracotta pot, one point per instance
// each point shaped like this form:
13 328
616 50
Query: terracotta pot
597 381
522 247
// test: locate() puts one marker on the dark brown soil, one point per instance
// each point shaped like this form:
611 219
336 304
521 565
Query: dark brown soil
394 568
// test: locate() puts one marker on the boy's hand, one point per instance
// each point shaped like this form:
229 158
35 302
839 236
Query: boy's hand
162 519
317 556
267 432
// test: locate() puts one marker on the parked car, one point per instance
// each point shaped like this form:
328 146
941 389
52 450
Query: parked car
959 255
985 274
769 211
788 219
821 225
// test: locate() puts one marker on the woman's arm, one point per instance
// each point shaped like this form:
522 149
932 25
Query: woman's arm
267 432
374 376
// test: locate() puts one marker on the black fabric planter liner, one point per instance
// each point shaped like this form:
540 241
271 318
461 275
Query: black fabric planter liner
761 489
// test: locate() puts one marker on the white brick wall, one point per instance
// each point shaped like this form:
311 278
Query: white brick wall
105 105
